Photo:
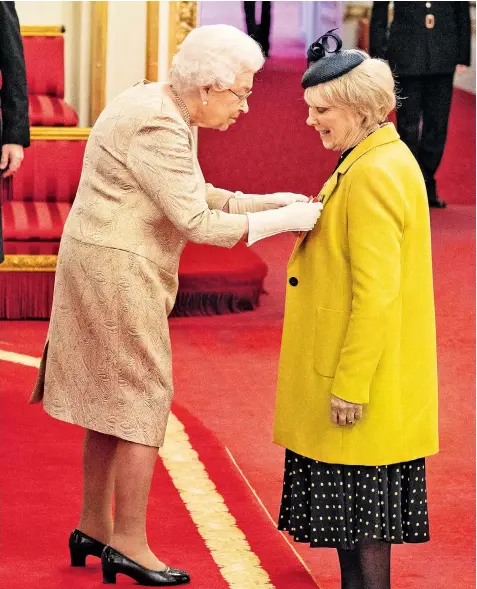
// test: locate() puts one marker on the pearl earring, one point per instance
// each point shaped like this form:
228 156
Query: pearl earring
205 103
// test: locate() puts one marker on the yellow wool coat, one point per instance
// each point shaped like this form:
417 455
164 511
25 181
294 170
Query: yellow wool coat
359 315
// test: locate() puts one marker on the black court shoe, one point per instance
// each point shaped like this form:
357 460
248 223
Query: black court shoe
81 545
114 562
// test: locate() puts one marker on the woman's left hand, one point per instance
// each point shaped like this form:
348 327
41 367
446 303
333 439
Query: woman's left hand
288 198
344 413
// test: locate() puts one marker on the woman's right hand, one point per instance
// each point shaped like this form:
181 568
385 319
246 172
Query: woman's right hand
343 412
299 216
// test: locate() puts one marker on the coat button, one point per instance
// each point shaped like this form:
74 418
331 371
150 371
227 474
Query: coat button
293 281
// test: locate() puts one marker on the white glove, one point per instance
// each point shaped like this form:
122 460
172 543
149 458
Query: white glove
252 203
298 216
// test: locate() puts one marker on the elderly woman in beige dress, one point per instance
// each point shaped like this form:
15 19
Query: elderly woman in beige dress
107 360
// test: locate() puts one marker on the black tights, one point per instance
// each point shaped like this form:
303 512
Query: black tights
366 567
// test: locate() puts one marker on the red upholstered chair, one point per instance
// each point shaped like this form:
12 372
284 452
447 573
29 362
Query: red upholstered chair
33 221
44 58
212 280
43 192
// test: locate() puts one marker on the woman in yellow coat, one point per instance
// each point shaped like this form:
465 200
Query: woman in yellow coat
357 389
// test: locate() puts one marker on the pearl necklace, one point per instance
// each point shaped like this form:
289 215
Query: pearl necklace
181 104
372 131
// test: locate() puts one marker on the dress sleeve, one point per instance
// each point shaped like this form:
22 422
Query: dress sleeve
217 198
13 94
239 203
160 158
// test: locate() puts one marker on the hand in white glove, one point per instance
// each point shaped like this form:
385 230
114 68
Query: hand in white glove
253 203
284 198
298 216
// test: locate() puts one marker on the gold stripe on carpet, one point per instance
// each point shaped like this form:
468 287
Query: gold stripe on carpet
19 358
274 523
228 545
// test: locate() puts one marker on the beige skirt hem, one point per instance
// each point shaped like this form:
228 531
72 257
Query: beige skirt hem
99 429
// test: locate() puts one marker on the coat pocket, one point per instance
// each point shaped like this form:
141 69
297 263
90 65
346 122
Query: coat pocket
330 333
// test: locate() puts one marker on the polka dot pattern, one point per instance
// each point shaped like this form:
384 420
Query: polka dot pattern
338 506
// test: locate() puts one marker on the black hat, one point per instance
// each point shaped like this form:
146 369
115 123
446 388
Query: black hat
323 67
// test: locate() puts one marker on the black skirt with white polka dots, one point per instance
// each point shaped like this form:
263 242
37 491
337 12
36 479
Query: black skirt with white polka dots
339 506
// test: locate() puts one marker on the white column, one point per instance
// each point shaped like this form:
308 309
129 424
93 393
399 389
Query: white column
163 41
77 57
40 13
126 50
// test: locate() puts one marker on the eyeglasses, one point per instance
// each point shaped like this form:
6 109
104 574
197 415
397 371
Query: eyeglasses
241 97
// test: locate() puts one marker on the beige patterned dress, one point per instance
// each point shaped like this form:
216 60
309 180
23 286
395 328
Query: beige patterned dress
107 359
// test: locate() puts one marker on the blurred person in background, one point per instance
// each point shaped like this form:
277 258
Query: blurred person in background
259 32
14 123
425 43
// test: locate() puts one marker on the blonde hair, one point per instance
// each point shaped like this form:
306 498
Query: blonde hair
368 90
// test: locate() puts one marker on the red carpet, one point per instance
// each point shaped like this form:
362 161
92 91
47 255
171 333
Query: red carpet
225 372
40 482
275 554
271 149
40 501
239 406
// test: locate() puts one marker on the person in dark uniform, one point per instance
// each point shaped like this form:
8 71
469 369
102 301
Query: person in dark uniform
14 128
261 32
424 45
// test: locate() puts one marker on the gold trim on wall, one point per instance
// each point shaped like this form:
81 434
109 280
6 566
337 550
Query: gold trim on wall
152 41
42 30
60 133
28 263
359 11
99 43
356 11
182 19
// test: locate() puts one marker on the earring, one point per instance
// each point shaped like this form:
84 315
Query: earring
205 103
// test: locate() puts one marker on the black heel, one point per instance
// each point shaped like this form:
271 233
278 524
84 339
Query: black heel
78 559
114 562
109 578
81 545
